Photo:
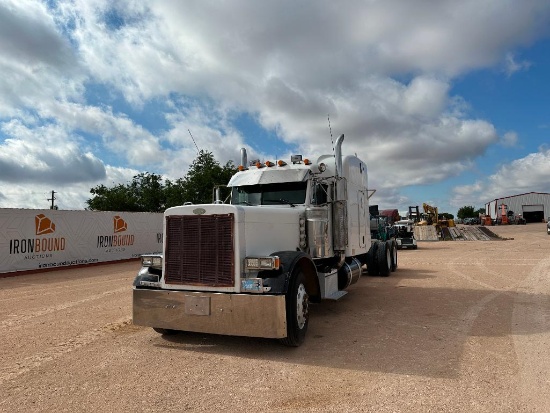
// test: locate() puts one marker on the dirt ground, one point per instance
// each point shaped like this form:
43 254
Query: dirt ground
461 326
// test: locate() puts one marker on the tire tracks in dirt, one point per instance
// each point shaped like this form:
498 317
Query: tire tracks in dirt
17 368
531 335
16 320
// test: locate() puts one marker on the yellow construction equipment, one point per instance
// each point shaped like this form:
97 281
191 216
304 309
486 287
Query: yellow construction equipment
432 217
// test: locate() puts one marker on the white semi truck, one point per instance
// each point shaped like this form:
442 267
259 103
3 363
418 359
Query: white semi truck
293 233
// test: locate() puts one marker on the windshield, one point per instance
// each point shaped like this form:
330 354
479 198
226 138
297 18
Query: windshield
270 194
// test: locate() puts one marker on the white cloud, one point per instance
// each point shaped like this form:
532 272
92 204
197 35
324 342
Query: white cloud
118 133
37 63
45 154
288 65
528 174
509 139
71 196
511 65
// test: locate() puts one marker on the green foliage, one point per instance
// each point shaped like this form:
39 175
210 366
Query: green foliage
469 212
173 192
446 215
116 198
204 175
147 193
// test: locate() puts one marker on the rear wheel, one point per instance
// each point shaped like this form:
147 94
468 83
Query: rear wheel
383 259
297 311
393 251
372 267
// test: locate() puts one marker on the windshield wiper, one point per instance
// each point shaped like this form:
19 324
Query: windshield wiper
243 202
280 201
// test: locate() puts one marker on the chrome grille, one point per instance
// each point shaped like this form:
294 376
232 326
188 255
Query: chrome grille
199 250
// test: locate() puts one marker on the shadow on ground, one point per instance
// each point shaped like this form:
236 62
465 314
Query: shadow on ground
382 326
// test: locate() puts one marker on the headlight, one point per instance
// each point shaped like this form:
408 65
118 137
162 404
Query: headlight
261 263
154 261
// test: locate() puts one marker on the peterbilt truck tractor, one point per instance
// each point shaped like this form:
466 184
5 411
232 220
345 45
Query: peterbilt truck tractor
293 233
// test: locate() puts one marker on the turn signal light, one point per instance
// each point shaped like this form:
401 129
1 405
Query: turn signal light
262 263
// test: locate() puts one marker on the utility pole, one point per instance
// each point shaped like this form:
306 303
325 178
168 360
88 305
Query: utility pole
53 206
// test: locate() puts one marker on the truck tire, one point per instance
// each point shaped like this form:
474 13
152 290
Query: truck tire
165 331
297 310
383 259
372 268
393 253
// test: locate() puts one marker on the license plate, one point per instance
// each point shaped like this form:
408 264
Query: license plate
197 305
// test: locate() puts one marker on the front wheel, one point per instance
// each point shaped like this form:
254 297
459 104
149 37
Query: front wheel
297 311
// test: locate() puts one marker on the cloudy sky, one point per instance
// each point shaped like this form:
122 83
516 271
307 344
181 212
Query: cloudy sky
448 102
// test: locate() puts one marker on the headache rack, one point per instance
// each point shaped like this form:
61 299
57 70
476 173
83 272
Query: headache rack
199 250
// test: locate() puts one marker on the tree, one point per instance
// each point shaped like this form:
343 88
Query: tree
143 194
466 212
147 193
116 198
205 173
173 192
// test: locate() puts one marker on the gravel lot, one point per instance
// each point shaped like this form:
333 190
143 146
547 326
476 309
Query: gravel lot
461 326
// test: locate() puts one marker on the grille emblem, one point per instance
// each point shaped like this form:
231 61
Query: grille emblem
199 211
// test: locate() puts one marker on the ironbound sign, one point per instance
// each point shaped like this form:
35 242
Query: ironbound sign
33 239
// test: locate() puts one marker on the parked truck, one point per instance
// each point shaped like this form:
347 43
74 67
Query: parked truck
293 233
404 231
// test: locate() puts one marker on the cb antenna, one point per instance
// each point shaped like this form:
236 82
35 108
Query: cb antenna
330 130
193 140
331 138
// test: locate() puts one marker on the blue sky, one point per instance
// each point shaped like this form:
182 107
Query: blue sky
447 102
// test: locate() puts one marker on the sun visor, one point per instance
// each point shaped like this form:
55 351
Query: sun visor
267 176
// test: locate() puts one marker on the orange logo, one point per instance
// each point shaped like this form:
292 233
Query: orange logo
43 225
119 224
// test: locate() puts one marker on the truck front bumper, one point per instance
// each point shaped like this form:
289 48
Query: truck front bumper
217 313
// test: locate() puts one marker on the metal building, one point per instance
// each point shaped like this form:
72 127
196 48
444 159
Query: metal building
533 206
